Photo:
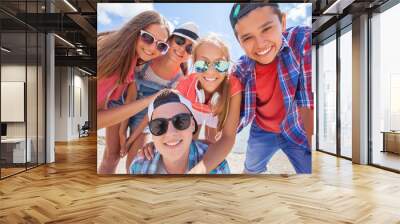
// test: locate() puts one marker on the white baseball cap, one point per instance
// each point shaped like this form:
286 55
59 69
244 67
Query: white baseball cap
174 97
187 30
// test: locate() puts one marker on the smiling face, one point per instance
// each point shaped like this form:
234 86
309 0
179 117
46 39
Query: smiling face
178 52
210 52
174 144
146 51
260 34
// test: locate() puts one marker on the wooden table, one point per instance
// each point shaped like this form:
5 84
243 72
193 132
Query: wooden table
391 141
13 151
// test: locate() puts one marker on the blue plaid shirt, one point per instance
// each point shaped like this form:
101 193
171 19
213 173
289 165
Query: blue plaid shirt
294 72
141 165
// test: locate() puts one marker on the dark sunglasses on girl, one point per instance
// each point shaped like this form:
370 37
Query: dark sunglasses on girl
159 126
149 39
201 66
181 41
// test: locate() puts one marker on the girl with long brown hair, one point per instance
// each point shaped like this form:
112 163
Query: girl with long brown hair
141 39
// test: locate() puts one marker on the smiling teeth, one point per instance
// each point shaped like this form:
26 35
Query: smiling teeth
264 52
173 143
210 79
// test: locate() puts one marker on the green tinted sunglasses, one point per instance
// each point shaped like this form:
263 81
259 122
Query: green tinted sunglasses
221 66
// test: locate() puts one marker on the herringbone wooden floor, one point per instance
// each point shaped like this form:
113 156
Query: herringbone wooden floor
70 191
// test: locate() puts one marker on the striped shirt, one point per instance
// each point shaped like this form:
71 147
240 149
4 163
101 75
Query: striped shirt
150 75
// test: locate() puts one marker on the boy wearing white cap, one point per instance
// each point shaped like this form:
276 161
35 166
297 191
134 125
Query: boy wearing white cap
162 72
172 127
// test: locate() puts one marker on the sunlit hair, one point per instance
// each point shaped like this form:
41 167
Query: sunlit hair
116 50
221 109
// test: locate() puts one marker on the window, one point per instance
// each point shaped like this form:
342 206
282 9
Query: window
346 93
22 68
327 95
385 89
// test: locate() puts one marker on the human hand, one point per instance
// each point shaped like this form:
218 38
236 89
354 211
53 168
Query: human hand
155 95
200 168
148 150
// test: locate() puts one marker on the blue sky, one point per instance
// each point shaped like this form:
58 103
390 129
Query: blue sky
210 17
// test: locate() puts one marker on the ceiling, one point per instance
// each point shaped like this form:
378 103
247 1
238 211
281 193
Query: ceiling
74 22
330 15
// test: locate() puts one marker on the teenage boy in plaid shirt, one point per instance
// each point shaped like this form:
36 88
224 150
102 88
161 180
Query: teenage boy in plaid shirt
276 77
172 125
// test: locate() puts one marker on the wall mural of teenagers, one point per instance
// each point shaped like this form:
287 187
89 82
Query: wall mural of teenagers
200 88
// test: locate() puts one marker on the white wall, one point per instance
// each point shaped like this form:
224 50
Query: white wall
61 103
79 117
13 72
70 83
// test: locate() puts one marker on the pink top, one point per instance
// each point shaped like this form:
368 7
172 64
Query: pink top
187 87
109 89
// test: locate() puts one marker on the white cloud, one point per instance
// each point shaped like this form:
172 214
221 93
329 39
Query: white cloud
176 20
124 10
307 21
103 18
297 13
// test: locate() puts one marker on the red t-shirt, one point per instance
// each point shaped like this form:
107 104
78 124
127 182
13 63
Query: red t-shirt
108 88
186 86
270 109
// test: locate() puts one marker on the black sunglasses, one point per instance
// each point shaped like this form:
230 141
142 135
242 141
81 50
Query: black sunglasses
181 41
159 126
148 38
